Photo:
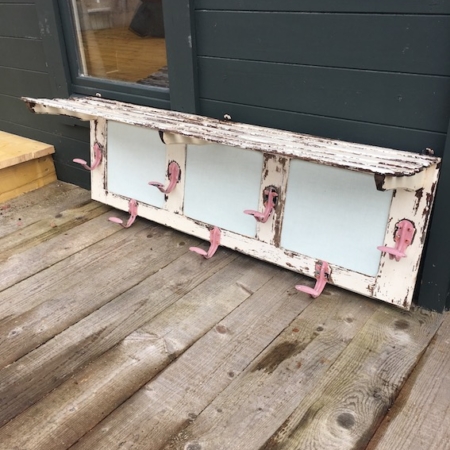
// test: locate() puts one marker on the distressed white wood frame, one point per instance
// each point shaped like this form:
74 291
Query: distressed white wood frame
411 177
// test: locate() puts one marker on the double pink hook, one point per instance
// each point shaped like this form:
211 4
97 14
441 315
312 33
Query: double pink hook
322 274
174 175
403 237
263 217
214 237
132 209
97 159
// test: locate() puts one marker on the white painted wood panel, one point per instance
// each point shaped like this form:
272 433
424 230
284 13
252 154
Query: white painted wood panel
339 214
221 182
335 215
136 156
356 157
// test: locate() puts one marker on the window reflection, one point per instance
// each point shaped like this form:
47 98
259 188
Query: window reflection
122 40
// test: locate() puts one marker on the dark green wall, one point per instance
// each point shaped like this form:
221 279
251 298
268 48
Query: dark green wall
32 64
375 72
358 71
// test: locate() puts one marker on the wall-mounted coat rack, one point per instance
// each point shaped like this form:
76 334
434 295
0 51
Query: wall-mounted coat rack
346 214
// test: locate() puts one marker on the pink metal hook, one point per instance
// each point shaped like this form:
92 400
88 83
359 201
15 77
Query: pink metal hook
404 233
214 237
174 175
132 209
271 194
97 159
322 274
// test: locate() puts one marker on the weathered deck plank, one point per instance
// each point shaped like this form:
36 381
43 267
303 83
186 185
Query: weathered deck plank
22 265
30 208
344 409
420 417
49 226
30 378
251 409
166 405
123 339
57 306
80 403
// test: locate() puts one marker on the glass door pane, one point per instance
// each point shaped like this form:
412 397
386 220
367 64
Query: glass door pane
122 40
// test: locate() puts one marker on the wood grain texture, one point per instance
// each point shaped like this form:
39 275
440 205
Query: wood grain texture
217 354
420 416
344 409
197 220
25 236
80 403
347 155
52 308
166 405
54 362
251 409
25 177
50 200
17 149
23 264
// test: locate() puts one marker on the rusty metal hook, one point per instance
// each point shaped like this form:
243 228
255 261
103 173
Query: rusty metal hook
214 237
322 274
403 237
97 159
132 209
263 217
174 175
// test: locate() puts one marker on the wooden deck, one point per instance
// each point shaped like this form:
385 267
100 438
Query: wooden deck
118 338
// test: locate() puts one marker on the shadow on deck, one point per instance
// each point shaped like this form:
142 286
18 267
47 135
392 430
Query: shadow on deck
123 339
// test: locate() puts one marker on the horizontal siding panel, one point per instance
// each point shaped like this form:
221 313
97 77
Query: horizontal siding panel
15 110
378 6
379 42
410 101
21 83
19 20
21 53
346 130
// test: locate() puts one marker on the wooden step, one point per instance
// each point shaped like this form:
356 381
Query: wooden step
25 165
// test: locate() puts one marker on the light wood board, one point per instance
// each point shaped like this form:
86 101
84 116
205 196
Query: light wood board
17 149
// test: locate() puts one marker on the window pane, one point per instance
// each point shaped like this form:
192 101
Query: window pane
122 40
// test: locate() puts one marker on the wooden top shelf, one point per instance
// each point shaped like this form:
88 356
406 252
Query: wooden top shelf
381 162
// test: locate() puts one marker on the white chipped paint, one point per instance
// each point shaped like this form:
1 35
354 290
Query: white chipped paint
275 173
357 157
175 200
355 282
412 178
396 279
